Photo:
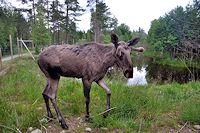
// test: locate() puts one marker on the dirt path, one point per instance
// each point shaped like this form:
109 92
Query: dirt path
14 56
76 125
4 70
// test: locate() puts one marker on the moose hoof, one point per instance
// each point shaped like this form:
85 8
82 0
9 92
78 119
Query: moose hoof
105 115
50 118
64 125
87 118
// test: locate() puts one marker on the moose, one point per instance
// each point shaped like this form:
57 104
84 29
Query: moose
89 62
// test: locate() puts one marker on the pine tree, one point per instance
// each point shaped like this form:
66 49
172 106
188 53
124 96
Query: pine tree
33 13
100 17
72 11
7 25
56 18
124 32
40 34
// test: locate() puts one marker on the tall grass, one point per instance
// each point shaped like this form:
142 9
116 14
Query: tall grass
19 89
146 108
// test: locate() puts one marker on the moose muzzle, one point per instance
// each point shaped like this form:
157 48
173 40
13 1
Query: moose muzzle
128 73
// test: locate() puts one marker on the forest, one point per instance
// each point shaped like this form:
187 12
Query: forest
178 32
53 22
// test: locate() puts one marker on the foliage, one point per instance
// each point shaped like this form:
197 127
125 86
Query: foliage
40 33
73 11
106 38
125 34
61 17
22 26
101 19
12 22
164 58
177 31
7 25
165 31
56 18
56 21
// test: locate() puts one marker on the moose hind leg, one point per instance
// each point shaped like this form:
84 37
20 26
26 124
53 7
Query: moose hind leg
46 99
86 90
60 117
52 94
108 92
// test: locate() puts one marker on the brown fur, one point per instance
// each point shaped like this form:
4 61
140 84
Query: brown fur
89 62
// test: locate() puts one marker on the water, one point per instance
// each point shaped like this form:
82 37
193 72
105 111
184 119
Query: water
147 71
161 74
166 74
139 77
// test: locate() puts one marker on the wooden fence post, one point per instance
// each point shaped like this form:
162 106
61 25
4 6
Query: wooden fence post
1 64
21 45
18 50
33 47
11 49
27 49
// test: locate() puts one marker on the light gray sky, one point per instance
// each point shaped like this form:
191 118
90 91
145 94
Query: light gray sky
134 13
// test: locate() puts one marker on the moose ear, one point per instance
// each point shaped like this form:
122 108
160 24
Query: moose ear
133 41
114 40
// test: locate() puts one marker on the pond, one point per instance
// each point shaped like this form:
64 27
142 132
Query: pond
139 77
146 71
161 74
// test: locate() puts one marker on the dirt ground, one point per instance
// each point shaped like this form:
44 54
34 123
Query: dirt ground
78 125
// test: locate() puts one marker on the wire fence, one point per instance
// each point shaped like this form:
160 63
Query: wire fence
16 48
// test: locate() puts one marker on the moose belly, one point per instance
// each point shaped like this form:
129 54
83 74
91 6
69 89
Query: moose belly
71 71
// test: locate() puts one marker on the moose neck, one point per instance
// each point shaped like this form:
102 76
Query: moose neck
109 58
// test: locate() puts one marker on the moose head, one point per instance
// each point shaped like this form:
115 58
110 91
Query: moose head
123 54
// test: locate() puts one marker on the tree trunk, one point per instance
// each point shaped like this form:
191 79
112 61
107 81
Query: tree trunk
95 29
33 11
48 15
67 25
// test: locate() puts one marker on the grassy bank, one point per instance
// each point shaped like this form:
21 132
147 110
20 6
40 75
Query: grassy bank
151 108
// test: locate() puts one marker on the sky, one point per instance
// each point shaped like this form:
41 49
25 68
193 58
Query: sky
134 13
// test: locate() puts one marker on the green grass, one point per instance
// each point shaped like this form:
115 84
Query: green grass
149 107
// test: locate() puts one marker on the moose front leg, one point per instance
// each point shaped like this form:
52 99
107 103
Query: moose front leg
86 90
108 92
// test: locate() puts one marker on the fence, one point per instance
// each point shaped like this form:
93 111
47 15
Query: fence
16 48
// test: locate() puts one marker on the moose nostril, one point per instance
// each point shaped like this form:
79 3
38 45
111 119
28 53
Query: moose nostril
126 71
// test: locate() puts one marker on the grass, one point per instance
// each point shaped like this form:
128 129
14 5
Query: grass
144 108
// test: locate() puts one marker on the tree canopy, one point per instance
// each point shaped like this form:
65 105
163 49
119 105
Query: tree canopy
55 22
178 31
